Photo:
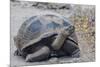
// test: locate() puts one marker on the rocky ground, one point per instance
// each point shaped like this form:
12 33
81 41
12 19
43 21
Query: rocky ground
83 17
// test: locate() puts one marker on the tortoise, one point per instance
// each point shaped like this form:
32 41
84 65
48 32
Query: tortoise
44 36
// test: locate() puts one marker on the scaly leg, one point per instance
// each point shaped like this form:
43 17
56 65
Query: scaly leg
41 54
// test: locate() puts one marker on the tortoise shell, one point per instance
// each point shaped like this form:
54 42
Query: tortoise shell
38 27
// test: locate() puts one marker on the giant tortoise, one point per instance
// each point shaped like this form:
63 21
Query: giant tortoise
44 36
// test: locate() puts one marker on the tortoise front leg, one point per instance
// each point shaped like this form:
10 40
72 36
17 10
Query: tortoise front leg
71 48
41 54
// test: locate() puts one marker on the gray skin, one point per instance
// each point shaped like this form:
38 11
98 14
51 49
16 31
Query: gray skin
59 44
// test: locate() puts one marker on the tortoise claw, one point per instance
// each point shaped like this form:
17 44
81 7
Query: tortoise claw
76 53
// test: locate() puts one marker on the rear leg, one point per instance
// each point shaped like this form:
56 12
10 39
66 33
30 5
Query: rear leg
17 53
20 53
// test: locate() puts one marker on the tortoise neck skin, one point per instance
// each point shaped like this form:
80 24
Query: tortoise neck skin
64 33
